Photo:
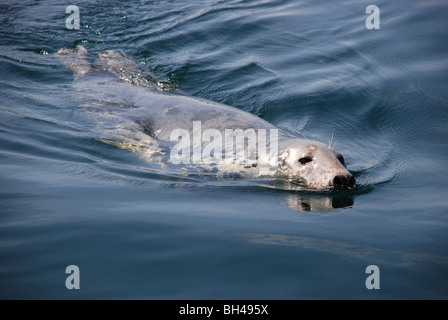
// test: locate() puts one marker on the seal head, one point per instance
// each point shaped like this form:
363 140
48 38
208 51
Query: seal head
314 164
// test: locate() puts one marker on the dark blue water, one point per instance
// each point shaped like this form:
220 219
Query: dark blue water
311 67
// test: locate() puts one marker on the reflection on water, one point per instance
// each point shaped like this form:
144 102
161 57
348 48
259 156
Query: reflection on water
320 203
297 197
352 250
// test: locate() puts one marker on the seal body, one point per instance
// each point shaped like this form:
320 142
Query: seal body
149 115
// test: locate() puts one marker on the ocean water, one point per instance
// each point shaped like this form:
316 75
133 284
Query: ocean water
311 67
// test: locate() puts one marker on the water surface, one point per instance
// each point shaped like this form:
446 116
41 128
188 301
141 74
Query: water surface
311 67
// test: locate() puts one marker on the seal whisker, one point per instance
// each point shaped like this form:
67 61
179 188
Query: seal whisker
302 135
331 141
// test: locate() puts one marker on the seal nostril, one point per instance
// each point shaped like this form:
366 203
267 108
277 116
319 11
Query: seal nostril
343 182
337 182
351 182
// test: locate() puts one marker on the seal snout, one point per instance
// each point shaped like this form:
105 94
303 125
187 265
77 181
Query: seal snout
343 181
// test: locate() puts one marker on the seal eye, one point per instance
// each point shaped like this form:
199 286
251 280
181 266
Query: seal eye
305 160
341 159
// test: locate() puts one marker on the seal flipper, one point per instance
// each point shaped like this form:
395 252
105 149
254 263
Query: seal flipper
117 63
75 60
125 69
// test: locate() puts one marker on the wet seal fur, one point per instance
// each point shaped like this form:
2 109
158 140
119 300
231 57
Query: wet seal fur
157 113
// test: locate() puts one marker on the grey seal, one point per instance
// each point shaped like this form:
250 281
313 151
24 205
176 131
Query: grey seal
113 84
